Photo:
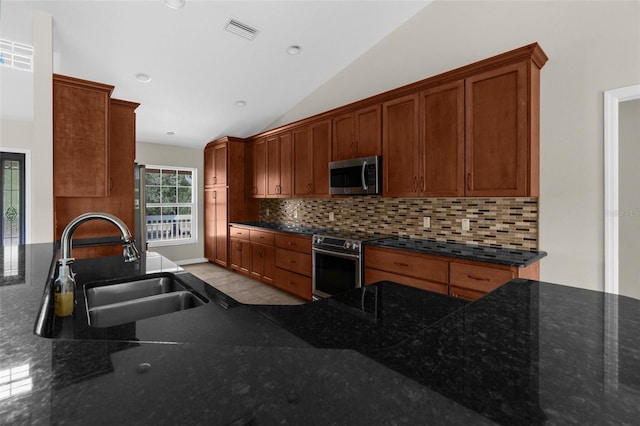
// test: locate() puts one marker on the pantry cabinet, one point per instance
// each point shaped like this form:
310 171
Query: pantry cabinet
225 199
94 153
357 133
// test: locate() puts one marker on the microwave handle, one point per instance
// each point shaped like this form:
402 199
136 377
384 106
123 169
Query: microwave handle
364 182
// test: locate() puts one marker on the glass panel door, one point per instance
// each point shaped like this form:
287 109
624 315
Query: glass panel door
12 200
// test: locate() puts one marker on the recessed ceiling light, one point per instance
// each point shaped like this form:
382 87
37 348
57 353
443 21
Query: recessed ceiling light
241 103
143 78
175 4
170 133
294 50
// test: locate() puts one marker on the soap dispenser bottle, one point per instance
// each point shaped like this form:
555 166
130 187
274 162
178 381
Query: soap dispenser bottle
64 291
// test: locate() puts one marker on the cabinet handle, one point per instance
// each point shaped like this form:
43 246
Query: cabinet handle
469 181
401 264
473 277
454 294
291 243
290 282
214 194
215 180
291 261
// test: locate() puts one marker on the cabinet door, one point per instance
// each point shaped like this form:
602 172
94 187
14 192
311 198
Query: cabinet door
259 157
240 256
279 175
320 134
343 137
209 224
302 162
368 132
220 164
221 228
400 146
80 138
496 132
442 139
209 166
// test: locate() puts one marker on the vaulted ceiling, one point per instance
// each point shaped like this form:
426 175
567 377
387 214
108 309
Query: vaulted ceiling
205 82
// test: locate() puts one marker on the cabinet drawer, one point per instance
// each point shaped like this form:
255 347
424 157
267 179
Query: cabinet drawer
262 237
403 263
465 293
240 233
290 242
293 283
293 261
373 276
479 278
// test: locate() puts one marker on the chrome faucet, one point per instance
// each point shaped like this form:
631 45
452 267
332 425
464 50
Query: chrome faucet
65 283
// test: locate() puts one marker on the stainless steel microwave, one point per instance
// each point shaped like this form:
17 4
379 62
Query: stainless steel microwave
356 176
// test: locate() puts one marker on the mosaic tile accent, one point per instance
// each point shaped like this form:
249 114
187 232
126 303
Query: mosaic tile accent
494 222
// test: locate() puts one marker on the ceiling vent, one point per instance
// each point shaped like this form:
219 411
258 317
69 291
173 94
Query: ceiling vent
241 29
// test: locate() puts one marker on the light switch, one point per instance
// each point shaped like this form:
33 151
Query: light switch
426 222
466 225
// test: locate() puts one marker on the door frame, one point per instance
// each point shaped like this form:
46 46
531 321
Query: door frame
612 99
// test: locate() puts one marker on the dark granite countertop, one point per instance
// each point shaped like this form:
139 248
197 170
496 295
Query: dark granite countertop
502 256
497 255
306 231
527 353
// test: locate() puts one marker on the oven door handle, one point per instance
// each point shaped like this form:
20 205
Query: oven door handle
336 253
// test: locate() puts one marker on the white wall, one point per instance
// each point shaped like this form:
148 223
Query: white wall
592 47
35 138
166 155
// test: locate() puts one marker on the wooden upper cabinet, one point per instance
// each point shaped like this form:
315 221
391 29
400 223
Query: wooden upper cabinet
442 140
80 137
279 167
215 165
302 162
401 147
259 165
497 133
311 156
357 134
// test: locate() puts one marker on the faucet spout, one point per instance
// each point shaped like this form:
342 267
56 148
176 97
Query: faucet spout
65 283
130 252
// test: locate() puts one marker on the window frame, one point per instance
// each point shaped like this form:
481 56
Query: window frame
193 205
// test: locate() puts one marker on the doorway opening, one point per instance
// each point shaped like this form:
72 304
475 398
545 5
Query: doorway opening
12 200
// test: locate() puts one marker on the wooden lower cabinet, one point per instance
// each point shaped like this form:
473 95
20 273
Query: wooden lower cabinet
262 256
459 278
240 255
280 260
416 270
293 283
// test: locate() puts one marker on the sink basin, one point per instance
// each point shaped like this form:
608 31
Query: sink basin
111 303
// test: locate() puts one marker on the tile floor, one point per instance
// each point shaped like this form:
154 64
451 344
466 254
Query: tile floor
240 287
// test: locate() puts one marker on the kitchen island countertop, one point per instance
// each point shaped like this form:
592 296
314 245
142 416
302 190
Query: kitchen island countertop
527 353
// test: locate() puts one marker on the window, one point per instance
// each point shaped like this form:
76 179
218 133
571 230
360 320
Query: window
170 202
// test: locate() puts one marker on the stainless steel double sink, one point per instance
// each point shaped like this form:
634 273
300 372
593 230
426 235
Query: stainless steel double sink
115 302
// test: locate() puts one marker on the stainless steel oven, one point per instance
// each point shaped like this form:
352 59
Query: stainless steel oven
338 263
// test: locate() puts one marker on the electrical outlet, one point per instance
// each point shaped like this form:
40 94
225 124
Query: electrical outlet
331 217
295 214
266 212
426 222
466 225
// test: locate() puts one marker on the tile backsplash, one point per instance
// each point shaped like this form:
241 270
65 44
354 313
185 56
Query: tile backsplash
501 222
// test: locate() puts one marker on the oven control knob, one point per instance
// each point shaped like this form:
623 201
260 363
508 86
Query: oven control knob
347 245
355 246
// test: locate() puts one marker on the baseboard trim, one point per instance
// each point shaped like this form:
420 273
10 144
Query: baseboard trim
191 261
